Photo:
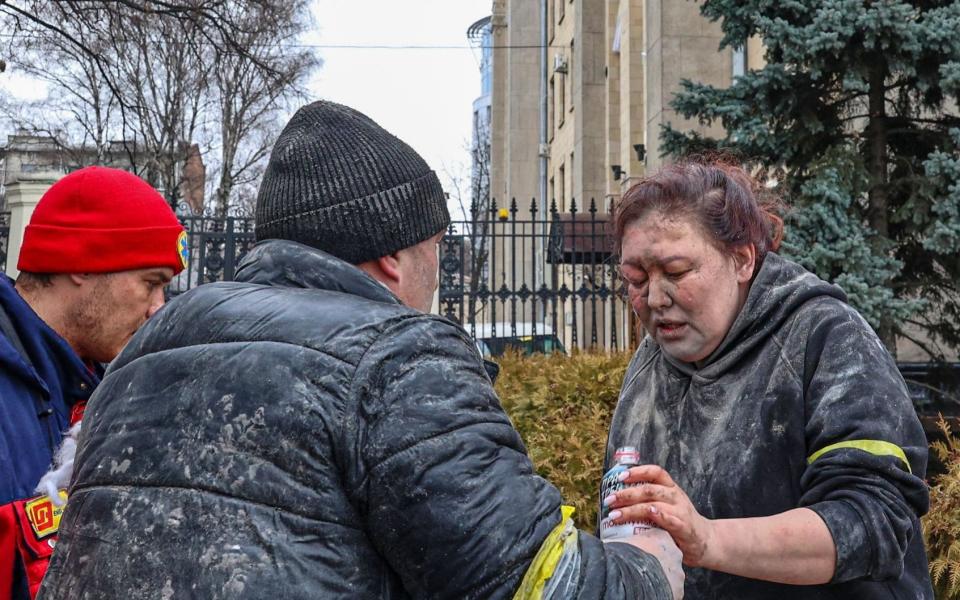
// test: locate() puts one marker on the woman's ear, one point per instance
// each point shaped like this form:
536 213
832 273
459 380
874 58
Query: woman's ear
745 260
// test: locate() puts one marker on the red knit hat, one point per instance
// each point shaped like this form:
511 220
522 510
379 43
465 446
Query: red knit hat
100 220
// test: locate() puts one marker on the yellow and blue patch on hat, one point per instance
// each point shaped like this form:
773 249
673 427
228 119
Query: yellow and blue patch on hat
182 249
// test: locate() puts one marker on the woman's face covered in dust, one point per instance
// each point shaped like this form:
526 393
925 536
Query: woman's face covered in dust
686 292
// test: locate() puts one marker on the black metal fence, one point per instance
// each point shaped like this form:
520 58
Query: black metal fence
525 277
216 246
535 279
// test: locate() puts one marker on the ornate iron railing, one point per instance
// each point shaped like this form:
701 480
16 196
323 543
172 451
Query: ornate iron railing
527 279
530 278
216 246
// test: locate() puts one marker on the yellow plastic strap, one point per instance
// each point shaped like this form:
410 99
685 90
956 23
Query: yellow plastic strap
545 562
875 447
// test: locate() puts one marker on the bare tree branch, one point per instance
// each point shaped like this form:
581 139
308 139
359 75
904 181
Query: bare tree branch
155 76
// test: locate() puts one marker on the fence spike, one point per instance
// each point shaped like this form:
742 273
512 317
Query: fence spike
513 206
533 206
573 206
593 206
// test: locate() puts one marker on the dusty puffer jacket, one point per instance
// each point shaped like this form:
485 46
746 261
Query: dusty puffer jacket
301 434
800 406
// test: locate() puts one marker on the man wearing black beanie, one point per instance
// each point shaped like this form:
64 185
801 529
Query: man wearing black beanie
308 432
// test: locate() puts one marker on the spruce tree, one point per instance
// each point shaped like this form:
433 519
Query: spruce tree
856 111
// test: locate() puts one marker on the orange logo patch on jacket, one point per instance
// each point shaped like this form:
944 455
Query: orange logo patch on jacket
43 516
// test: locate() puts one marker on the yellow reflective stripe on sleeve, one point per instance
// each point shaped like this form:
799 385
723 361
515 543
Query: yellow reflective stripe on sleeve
875 447
545 562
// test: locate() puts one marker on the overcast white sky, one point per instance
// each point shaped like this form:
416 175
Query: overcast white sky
424 96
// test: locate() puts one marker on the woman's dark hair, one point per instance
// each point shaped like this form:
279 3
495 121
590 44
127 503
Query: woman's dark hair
728 204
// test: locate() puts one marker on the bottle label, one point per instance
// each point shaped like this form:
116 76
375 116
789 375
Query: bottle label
624 458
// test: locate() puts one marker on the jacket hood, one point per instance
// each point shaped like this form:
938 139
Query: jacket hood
282 263
778 290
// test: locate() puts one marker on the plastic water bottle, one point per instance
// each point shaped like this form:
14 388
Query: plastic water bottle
623 459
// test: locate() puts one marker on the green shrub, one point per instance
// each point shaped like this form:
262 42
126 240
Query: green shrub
941 526
562 407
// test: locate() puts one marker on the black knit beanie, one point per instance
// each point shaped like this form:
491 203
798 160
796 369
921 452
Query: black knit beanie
339 182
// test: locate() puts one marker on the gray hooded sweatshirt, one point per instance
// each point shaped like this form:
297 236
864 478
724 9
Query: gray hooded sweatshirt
799 406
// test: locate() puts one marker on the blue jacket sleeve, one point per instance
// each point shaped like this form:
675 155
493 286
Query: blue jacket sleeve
867 453
449 497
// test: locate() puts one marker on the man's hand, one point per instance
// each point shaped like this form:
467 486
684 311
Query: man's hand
659 543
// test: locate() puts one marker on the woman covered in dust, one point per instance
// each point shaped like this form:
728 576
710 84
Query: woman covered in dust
785 457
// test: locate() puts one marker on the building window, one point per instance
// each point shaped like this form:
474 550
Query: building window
486 62
562 100
561 175
551 99
615 47
571 71
739 62
551 22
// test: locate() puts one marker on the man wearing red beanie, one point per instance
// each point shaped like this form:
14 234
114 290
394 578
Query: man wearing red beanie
99 249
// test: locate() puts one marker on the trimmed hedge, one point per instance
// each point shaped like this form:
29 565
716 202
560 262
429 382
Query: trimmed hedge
562 407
